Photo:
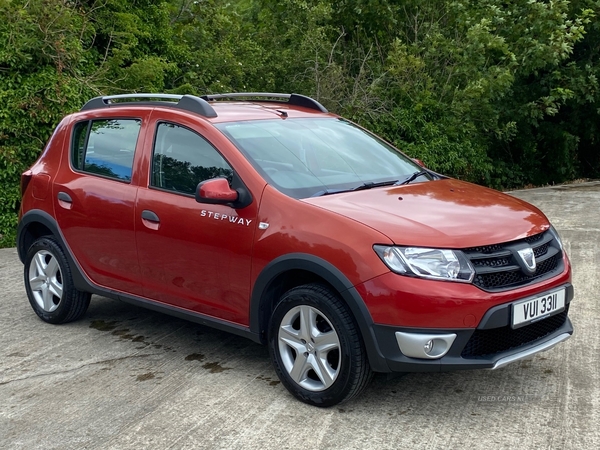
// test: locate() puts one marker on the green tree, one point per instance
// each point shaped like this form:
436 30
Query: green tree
470 87
57 54
40 79
503 93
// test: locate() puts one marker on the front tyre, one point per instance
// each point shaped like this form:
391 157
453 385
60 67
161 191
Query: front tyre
49 284
316 348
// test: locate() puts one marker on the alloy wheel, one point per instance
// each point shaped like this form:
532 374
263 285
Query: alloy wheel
310 348
45 280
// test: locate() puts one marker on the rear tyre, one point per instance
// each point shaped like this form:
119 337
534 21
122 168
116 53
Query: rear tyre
49 284
316 348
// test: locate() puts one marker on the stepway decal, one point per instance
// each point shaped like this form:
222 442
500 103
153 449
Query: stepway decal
231 219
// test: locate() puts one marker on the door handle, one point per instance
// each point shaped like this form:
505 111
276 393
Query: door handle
150 216
64 200
64 197
150 219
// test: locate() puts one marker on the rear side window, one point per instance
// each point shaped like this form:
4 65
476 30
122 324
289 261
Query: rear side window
182 159
105 147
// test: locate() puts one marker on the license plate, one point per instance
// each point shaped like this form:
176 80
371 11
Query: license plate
533 309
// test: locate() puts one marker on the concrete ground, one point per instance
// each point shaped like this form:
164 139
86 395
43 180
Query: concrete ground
128 378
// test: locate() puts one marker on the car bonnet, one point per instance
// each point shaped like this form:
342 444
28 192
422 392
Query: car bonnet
444 213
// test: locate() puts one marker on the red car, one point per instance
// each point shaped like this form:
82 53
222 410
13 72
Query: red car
266 216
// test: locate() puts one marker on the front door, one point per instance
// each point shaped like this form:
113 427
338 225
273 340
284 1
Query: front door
192 255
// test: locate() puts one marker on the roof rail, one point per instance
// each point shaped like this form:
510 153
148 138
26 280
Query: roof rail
186 102
293 99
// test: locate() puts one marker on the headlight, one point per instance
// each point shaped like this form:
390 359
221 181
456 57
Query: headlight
435 264
556 236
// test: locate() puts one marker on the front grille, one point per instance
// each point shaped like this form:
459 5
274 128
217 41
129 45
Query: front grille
498 267
515 277
534 238
489 342
541 250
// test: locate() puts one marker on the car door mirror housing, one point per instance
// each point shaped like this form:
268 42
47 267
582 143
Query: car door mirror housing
216 191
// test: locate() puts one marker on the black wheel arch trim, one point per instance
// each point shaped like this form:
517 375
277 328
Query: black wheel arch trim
333 276
80 279
37 216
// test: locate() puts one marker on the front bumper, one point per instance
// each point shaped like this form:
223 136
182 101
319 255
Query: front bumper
493 344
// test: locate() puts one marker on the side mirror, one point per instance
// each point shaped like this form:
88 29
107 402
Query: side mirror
216 191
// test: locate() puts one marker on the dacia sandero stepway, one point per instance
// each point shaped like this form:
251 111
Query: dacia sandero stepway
269 217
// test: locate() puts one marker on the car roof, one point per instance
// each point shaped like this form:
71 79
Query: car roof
238 111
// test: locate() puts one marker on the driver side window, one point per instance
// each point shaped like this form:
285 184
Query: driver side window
182 158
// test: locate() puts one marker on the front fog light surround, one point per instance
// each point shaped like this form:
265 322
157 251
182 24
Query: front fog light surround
424 346
431 263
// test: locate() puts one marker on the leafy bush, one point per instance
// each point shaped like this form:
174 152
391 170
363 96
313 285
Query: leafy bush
502 93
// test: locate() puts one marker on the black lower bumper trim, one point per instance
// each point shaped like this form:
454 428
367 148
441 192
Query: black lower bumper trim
453 359
481 348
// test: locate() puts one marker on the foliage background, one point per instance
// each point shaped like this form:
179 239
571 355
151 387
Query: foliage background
501 93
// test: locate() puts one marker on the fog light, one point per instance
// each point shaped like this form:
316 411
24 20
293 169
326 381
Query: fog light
428 346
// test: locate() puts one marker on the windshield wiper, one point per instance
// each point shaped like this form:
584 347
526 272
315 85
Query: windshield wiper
360 187
413 177
409 179
371 185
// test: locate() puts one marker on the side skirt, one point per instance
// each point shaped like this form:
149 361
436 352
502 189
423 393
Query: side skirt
185 314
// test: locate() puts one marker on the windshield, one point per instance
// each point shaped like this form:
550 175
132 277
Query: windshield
306 157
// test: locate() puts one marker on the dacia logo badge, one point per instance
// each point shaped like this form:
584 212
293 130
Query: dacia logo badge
528 258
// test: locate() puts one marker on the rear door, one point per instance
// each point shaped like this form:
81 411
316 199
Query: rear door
94 196
192 255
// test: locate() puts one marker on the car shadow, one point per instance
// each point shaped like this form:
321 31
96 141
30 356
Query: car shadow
431 394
